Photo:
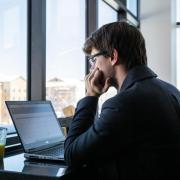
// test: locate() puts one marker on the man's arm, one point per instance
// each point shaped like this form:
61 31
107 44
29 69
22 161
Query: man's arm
91 142
83 118
87 139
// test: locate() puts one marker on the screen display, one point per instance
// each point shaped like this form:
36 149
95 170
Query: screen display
36 123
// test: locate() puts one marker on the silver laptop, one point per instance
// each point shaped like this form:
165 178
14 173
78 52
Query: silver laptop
38 128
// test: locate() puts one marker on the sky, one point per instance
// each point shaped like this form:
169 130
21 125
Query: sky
12 38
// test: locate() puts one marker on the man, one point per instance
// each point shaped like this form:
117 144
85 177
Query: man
137 134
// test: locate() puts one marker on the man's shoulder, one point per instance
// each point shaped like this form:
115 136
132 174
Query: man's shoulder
169 87
120 99
142 91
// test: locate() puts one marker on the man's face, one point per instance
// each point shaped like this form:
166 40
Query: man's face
101 62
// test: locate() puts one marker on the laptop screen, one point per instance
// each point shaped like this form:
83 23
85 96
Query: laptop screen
36 123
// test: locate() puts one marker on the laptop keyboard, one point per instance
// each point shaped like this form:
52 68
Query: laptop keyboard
56 151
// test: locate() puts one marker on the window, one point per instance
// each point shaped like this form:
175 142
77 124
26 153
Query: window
65 61
13 53
178 43
132 6
106 15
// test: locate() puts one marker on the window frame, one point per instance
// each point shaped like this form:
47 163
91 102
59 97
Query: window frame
123 11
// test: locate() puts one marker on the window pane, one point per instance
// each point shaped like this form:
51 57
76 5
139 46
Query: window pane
65 68
105 14
13 54
178 57
178 44
177 10
132 6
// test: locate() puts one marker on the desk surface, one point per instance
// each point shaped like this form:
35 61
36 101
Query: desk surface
19 165
16 167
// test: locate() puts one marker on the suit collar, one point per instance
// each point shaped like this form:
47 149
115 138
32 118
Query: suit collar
137 73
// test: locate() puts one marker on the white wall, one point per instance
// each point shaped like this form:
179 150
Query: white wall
156 27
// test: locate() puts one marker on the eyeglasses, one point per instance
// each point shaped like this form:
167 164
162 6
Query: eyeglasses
92 59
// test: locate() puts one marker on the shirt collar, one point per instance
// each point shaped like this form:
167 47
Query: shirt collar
137 73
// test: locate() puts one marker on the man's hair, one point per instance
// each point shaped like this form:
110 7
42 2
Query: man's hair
125 38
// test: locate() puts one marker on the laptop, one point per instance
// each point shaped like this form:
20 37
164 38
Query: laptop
38 128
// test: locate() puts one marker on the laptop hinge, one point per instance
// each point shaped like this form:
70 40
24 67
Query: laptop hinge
44 147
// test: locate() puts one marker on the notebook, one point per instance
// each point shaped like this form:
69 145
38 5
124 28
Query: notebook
38 128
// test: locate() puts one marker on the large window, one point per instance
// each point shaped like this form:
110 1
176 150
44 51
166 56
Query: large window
106 15
66 28
13 55
132 6
65 61
178 43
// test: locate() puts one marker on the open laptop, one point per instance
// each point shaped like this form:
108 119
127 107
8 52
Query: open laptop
38 128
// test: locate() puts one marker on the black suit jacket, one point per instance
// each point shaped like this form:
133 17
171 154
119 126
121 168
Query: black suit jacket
137 134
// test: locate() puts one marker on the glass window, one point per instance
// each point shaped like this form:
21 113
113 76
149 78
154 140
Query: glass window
177 10
106 15
178 57
178 44
65 66
132 6
13 54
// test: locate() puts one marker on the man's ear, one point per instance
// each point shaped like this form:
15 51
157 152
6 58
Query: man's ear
115 58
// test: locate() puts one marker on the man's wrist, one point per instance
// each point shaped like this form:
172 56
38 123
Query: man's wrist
92 94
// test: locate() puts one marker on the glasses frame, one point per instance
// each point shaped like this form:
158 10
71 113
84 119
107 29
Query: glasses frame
92 59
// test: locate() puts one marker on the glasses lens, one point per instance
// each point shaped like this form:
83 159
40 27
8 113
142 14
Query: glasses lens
92 59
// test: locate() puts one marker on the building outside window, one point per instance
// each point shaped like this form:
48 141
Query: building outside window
65 60
13 55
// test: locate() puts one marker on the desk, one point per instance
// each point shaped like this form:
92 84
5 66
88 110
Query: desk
17 167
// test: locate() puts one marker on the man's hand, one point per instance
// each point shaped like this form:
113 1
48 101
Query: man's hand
96 84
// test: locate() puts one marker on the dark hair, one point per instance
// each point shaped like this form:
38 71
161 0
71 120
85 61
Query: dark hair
125 38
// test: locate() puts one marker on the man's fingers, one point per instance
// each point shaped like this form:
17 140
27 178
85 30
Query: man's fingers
93 73
94 82
87 82
96 78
